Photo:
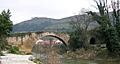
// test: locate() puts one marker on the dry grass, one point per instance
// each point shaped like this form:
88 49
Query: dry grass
81 54
25 47
52 57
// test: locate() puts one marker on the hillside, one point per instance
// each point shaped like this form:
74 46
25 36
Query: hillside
45 24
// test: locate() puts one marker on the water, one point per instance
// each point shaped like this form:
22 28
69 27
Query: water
79 61
41 52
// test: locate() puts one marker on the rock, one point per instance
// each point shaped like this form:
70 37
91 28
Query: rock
31 58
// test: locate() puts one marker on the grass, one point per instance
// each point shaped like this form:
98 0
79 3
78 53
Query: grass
14 50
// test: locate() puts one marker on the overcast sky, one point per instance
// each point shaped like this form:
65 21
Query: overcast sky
22 10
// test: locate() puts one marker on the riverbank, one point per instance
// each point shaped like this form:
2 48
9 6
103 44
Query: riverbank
16 59
91 54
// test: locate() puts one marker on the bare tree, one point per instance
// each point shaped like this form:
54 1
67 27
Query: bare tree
80 24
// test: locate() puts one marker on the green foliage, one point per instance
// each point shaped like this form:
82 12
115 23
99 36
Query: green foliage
111 40
5 27
109 25
62 48
78 38
75 41
14 50
5 22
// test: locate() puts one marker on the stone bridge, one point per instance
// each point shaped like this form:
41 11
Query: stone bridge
25 41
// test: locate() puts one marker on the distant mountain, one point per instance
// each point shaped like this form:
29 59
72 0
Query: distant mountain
39 24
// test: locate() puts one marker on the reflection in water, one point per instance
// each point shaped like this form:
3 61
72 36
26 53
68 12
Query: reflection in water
79 61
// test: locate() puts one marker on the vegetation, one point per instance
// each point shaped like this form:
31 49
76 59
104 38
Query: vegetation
109 24
42 24
79 37
46 54
37 61
5 28
14 50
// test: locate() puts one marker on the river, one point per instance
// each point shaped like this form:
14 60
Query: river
79 61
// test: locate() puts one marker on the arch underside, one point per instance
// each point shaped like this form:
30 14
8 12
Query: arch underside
58 38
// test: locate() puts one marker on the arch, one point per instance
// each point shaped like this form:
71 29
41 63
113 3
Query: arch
35 49
92 40
57 38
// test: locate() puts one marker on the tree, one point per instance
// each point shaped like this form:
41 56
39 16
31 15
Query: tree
79 37
109 24
5 27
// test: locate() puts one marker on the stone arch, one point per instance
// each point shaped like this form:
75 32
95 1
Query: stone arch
64 37
51 35
57 38
92 40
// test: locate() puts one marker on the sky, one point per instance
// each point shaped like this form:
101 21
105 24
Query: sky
22 10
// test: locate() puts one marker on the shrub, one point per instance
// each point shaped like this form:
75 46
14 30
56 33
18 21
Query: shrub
14 50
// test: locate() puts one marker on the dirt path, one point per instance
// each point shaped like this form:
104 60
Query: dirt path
16 59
